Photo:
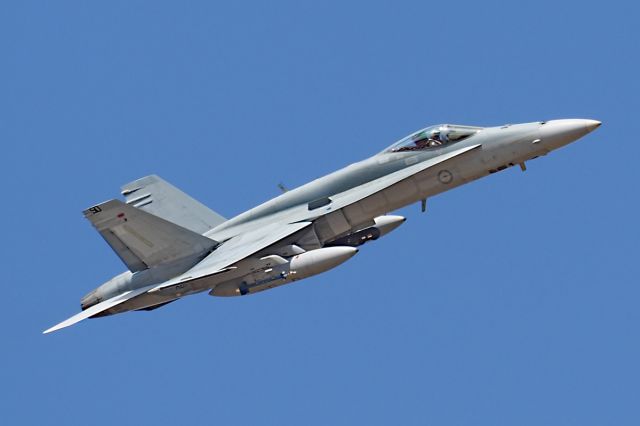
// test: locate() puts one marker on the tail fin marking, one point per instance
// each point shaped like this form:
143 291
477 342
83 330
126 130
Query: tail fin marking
143 240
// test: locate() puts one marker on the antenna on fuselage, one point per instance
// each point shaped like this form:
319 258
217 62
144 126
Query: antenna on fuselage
282 187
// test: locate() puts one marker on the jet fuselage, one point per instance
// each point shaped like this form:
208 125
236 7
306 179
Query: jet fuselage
474 152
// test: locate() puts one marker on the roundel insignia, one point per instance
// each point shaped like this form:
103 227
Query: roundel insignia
445 176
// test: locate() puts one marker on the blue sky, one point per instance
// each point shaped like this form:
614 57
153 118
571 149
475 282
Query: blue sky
512 301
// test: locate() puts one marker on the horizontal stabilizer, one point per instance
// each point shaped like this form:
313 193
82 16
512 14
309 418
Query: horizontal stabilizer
158 197
143 240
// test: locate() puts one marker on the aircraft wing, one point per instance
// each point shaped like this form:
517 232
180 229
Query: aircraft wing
235 250
252 241
100 307
220 260
245 244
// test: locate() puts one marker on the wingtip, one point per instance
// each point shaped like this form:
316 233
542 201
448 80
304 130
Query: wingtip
52 329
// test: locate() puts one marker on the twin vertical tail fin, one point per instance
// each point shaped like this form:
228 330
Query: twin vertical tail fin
158 197
143 240
158 224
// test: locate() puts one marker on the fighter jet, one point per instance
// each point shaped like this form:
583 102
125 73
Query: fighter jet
174 246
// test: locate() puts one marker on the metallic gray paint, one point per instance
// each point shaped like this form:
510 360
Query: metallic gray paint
346 205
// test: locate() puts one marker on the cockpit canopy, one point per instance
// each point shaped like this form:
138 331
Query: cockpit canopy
434 137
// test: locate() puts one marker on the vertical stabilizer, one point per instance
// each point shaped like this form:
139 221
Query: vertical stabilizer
158 197
143 240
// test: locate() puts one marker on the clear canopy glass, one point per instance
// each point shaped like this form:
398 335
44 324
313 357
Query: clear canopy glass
434 137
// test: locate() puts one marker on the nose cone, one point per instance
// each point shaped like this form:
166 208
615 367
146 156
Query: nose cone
557 133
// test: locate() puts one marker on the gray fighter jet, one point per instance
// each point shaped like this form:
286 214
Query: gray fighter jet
173 246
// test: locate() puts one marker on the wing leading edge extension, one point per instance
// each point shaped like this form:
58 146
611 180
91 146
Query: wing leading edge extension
359 193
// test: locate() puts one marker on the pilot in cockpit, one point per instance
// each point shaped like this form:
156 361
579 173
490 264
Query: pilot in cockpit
433 137
434 140
421 143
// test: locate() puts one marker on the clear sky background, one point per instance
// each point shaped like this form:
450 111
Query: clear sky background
513 301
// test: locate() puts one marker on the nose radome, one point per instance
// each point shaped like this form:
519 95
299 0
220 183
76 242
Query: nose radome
557 133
